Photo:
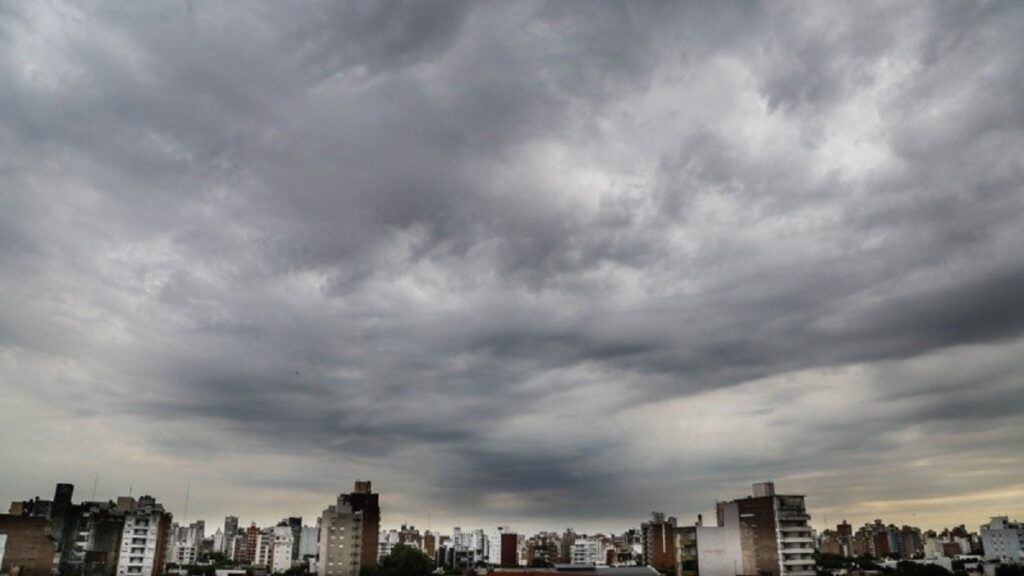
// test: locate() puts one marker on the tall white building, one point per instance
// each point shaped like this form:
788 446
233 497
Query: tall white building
143 541
218 540
308 541
281 557
1003 540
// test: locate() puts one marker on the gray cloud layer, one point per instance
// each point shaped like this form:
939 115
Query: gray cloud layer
516 261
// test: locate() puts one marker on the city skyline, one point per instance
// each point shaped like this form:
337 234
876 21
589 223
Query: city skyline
527 263
817 521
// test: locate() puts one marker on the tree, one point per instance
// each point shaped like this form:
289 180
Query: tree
866 562
1009 570
405 561
297 570
906 568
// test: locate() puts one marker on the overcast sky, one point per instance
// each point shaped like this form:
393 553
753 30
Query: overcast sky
520 263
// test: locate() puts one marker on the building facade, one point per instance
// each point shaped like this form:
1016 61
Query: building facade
28 549
1003 540
658 536
367 503
775 537
708 551
145 537
587 551
341 540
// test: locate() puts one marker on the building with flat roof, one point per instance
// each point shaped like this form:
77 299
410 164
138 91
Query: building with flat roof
1003 540
341 540
658 536
145 538
775 538
708 551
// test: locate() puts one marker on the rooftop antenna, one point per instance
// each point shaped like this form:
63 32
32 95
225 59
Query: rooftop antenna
188 489
95 479
130 488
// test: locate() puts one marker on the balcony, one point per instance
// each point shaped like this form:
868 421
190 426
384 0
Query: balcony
793 515
793 529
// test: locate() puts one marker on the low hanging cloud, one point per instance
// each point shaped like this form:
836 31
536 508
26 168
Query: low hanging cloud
532 263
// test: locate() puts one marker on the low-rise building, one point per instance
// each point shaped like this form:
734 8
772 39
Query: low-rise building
588 551
708 551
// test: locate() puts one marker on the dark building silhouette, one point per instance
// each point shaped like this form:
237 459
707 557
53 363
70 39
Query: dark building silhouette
86 536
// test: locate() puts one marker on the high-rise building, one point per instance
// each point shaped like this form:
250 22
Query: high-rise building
565 545
264 548
775 538
1003 540
308 542
364 500
911 543
230 530
283 557
503 547
429 543
658 535
95 530
217 543
237 548
341 540
246 549
145 537
294 523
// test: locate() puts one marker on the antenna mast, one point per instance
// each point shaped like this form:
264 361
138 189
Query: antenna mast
184 515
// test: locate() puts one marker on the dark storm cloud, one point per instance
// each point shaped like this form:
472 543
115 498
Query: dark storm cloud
499 254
